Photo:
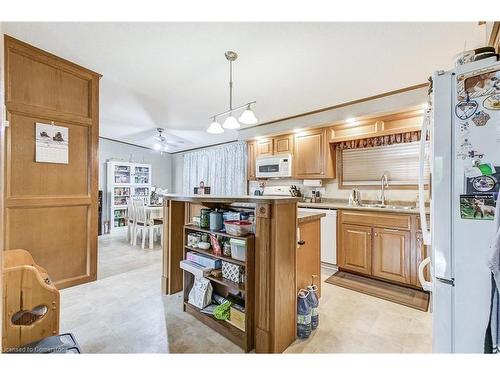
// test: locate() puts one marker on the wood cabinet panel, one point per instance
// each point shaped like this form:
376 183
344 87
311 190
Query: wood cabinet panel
31 179
265 147
51 209
391 254
308 254
37 82
309 156
355 248
251 152
400 221
49 233
283 145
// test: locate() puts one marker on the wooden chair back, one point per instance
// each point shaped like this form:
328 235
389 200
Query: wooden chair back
31 301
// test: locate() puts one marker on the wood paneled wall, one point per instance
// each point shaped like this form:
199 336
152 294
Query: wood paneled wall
51 209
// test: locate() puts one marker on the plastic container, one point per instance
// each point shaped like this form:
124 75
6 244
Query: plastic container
238 227
238 249
303 315
313 301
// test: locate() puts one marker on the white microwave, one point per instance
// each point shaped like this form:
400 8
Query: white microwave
273 166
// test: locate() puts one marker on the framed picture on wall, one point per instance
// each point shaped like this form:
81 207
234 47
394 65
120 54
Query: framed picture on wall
51 144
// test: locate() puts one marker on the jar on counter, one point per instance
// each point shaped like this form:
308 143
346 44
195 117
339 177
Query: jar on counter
205 217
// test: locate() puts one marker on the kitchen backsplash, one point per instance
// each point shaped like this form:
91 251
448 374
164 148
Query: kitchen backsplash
331 189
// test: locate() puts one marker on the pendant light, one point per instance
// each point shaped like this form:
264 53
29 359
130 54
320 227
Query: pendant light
231 123
248 117
215 127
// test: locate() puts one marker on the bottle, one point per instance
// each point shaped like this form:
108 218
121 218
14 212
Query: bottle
303 315
313 301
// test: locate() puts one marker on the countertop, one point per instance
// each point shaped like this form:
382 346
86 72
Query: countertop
344 205
304 217
230 199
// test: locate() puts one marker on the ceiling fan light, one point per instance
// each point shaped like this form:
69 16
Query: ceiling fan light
248 117
231 123
215 128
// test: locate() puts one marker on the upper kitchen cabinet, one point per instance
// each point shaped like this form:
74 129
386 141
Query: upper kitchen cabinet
251 149
312 156
283 145
264 147
409 120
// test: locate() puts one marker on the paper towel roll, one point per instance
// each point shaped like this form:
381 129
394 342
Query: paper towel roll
313 183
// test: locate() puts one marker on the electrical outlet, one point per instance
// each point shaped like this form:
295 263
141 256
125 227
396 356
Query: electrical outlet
6 124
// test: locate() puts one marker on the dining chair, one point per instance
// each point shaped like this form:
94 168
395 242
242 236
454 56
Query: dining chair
130 221
140 221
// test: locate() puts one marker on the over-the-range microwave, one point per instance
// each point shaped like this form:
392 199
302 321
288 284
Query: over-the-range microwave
273 166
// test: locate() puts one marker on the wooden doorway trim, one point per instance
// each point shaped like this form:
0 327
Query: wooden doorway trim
51 209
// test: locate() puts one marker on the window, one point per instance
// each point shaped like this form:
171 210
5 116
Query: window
365 166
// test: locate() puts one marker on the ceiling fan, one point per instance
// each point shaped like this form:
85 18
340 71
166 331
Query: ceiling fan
162 143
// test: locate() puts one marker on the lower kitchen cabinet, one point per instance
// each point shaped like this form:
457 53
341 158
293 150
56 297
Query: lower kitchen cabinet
391 254
309 254
382 245
356 248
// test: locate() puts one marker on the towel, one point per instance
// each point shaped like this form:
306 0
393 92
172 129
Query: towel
492 337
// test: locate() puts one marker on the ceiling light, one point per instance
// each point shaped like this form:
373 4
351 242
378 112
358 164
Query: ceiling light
157 146
215 128
424 106
165 148
298 130
231 123
248 117
351 120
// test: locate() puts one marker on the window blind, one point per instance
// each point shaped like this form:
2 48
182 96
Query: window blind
400 162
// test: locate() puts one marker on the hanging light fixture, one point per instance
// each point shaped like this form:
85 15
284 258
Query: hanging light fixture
246 118
215 127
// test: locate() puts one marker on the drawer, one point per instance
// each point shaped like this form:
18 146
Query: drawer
400 221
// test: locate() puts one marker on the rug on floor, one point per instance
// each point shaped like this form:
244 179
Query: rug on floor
390 292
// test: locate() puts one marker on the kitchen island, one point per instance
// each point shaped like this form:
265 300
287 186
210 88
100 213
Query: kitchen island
271 278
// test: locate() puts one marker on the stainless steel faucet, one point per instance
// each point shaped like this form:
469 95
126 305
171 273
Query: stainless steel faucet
384 183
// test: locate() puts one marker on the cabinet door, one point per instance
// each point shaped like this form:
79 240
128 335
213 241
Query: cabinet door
308 254
309 155
391 254
355 254
251 161
283 145
265 147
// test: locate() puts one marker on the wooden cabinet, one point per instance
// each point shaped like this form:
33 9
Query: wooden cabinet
265 147
356 247
382 245
309 254
391 254
251 150
283 145
312 156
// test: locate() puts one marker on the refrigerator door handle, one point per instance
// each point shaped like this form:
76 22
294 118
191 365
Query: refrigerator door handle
421 183
426 285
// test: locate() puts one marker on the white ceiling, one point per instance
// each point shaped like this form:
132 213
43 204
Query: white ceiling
174 75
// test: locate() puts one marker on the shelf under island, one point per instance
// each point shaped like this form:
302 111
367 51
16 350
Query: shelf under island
269 288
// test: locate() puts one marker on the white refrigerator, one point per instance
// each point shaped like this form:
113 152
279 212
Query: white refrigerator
464 129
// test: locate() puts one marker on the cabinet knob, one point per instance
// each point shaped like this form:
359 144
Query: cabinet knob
376 234
369 234
301 242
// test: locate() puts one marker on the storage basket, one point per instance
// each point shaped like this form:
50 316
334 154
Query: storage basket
238 227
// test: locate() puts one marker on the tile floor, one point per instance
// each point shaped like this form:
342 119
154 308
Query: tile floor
124 312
